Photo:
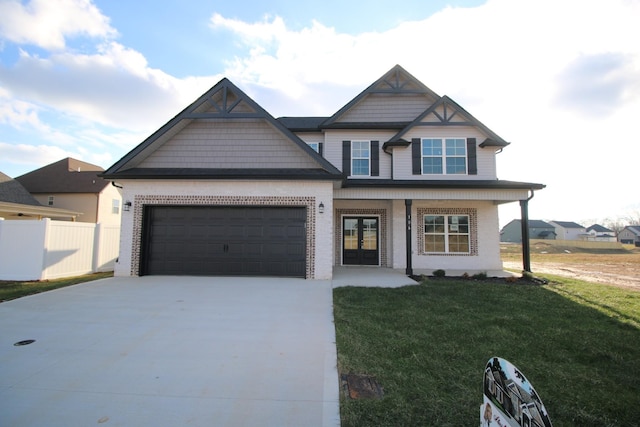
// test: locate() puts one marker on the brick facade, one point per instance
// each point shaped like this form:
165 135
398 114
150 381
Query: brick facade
148 200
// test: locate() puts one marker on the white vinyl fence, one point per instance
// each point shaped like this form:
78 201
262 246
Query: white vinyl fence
46 249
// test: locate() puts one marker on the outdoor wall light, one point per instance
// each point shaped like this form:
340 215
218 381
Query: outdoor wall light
321 207
127 206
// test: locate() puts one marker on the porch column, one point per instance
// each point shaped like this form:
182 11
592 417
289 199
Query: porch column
407 204
526 253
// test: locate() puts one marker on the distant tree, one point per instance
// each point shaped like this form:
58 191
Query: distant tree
615 224
633 218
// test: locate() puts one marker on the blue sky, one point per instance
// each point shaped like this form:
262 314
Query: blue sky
558 79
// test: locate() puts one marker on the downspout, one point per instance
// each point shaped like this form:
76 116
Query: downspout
407 204
526 251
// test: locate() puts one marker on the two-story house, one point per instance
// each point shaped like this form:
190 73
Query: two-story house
400 177
630 235
569 230
74 185
538 229
16 203
599 233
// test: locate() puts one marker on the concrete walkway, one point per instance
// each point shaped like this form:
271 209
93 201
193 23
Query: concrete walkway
171 351
375 277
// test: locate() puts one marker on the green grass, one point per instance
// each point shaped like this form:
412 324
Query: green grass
427 345
15 289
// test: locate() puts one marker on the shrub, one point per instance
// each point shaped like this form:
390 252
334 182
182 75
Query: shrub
482 275
439 273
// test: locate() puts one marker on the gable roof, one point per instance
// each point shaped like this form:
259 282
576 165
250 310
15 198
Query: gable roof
533 223
65 176
567 224
396 81
13 192
17 203
446 112
220 106
599 229
635 229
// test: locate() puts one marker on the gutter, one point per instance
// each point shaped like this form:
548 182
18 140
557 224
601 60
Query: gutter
526 250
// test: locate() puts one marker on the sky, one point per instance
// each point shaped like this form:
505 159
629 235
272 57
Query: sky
559 79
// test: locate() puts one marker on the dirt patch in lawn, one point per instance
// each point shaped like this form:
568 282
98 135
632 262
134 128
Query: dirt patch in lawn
617 268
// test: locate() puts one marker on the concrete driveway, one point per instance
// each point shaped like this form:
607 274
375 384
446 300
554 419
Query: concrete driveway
171 351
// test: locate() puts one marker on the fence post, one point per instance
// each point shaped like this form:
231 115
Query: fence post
97 247
46 226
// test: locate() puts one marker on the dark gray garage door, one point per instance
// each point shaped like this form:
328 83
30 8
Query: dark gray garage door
205 240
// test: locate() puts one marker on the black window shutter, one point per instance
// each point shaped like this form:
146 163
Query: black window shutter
346 158
375 158
321 148
416 156
471 156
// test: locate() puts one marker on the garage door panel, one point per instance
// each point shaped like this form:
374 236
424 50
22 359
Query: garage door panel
196 240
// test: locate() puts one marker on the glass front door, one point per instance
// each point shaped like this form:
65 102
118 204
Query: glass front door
360 241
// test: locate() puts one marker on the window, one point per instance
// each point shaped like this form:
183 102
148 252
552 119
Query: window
446 233
444 156
360 158
50 201
315 146
115 206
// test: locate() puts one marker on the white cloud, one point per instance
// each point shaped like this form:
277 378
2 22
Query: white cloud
114 86
527 69
47 23
34 155
19 114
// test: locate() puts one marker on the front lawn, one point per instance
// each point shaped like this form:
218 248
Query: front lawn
427 345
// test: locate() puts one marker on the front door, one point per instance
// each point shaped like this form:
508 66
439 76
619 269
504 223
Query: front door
360 241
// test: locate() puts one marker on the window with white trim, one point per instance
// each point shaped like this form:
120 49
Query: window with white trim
50 201
444 156
115 206
360 158
446 234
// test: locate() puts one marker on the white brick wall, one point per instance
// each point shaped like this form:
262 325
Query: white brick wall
311 193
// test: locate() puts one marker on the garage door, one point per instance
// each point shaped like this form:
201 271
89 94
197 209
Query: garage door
236 241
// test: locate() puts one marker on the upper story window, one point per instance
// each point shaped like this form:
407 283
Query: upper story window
360 158
50 201
115 206
315 146
446 156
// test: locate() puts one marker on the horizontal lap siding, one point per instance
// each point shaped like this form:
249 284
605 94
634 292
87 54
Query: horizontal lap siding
250 143
333 147
386 107
486 157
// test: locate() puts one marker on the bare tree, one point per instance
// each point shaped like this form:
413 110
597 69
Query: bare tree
633 217
615 224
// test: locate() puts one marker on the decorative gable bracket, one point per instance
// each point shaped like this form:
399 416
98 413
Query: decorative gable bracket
223 102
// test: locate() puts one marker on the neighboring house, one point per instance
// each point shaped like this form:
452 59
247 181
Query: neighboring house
598 233
567 230
630 235
399 177
512 232
73 184
16 203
